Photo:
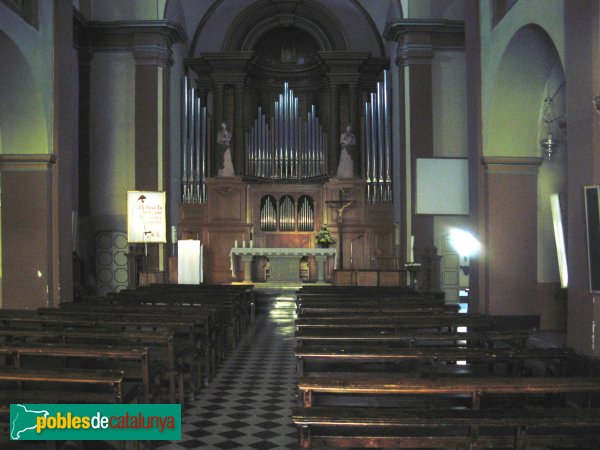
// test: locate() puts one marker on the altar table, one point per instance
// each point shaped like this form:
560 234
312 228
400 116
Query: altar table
285 262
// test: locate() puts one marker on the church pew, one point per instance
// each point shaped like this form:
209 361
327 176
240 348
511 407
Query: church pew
475 388
448 322
240 297
214 342
185 327
195 328
320 337
364 309
341 356
26 385
65 354
162 346
236 316
335 427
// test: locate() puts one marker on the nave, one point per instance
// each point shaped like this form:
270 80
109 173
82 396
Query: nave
249 404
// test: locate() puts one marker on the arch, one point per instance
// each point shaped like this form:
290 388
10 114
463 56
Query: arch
23 123
239 26
264 15
515 100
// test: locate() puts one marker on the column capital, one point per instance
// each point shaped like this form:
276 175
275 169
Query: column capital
418 38
149 40
224 68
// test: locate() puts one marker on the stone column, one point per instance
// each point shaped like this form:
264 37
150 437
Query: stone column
333 149
247 262
353 91
152 57
217 159
239 157
321 261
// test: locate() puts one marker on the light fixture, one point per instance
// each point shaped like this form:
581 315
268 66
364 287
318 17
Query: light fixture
548 146
466 245
550 143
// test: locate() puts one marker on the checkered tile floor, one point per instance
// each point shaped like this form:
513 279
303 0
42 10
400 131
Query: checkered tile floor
248 405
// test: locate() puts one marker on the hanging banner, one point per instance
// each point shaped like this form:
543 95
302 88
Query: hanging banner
146 218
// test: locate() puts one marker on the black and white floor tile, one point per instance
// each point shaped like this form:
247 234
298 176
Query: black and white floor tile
248 405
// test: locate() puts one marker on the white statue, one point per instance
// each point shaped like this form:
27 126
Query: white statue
347 143
224 143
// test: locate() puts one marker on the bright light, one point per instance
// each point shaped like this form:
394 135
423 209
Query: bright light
464 243
559 237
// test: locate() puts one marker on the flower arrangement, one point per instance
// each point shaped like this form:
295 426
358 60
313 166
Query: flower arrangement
324 237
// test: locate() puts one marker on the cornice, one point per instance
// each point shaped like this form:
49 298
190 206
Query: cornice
30 162
446 32
511 164
418 38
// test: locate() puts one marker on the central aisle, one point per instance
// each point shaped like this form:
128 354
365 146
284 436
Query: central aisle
248 405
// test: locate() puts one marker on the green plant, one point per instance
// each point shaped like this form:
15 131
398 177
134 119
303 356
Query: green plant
324 236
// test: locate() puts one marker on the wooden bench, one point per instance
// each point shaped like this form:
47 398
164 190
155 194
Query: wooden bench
323 336
76 386
162 346
212 340
366 309
343 427
472 387
116 355
448 322
341 355
57 319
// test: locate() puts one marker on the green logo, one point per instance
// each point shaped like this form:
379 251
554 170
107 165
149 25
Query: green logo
95 422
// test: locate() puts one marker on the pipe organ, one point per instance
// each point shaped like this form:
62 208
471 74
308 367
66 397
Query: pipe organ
287 147
287 214
194 146
287 217
377 139
284 188
306 219
268 214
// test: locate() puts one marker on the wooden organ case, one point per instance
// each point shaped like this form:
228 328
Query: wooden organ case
285 106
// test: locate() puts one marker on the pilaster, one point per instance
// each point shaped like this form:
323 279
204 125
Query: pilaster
509 258
417 41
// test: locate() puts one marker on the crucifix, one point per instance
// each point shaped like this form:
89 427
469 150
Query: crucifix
340 205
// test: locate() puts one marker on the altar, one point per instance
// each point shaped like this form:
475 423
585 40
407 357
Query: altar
285 262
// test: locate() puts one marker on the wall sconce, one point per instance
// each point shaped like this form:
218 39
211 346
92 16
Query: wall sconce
466 245
550 143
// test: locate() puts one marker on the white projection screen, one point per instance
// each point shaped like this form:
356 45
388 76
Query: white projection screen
442 186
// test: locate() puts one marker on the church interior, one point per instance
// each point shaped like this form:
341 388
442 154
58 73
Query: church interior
316 169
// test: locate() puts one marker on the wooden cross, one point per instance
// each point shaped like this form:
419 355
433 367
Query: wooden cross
340 205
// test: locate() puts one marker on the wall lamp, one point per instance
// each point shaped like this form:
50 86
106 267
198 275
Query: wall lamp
466 245
550 143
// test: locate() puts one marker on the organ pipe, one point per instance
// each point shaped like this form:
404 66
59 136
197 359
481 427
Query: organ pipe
286 146
194 145
377 132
